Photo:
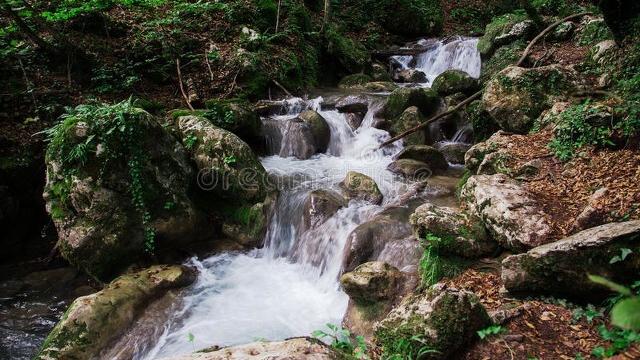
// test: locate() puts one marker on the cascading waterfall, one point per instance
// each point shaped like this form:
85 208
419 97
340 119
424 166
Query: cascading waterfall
289 287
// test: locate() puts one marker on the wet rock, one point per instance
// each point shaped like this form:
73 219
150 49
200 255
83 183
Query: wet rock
410 76
562 267
319 129
291 349
319 206
93 321
100 230
460 234
514 219
516 96
426 100
434 159
357 186
354 120
353 104
453 152
371 282
410 118
411 169
248 223
593 214
368 241
444 319
379 72
454 81
227 167
271 107
380 86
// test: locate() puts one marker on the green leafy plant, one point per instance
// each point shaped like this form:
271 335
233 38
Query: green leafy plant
624 252
589 312
190 141
343 341
405 348
491 331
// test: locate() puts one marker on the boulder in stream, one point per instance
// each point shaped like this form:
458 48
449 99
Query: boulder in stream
562 267
352 104
434 159
411 169
290 349
426 100
91 322
410 76
371 282
410 118
453 152
510 214
320 205
459 233
319 129
454 81
441 319
357 186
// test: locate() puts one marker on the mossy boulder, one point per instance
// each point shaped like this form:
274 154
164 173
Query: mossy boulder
504 30
475 157
454 81
118 184
357 186
237 116
92 322
228 169
354 81
441 319
411 169
371 282
453 152
426 154
459 233
380 86
516 96
562 267
410 118
426 100
319 129
319 206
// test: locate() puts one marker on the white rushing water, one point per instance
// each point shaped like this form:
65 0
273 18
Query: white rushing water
460 54
290 287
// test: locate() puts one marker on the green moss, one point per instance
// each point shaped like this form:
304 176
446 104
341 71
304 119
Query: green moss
503 57
402 98
498 26
354 80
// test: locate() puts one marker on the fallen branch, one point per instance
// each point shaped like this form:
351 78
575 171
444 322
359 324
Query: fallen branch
479 93
282 88
545 32
437 117
184 94
206 59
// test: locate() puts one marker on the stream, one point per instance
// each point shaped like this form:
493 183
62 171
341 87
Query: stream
290 286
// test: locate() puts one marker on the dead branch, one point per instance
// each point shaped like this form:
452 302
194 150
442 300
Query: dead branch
545 32
282 88
278 16
206 59
184 94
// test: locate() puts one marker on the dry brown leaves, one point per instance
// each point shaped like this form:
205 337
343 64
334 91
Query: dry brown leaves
541 330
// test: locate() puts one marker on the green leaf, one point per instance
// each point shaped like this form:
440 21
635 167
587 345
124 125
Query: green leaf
191 337
610 284
626 314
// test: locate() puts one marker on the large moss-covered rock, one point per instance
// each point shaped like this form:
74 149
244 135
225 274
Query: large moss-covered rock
410 118
489 157
426 100
562 267
93 321
504 30
117 185
291 349
459 233
319 129
516 96
454 81
361 187
354 81
236 116
510 214
441 319
228 169
371 282
426 154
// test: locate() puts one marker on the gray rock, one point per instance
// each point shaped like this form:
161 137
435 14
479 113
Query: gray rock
371 282
410 76
409 118
562 267
432 157
454 81
319 129
592 214
357 186
514 219
411 169
453 152
444 319
353 104
460 234
319 206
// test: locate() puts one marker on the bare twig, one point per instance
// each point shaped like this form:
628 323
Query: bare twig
282 88
278 16
327 5
545 32
184 94
206 60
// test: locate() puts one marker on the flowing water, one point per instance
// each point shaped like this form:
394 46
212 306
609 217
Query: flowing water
290 286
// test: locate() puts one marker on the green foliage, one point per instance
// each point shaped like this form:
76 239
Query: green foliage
350 54
117 128
624 252
491 331
559 8
343 341
589 312
620 340
433 267
594 32
405 348
574 130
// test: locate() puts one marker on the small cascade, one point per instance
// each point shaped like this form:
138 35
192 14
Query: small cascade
459 54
